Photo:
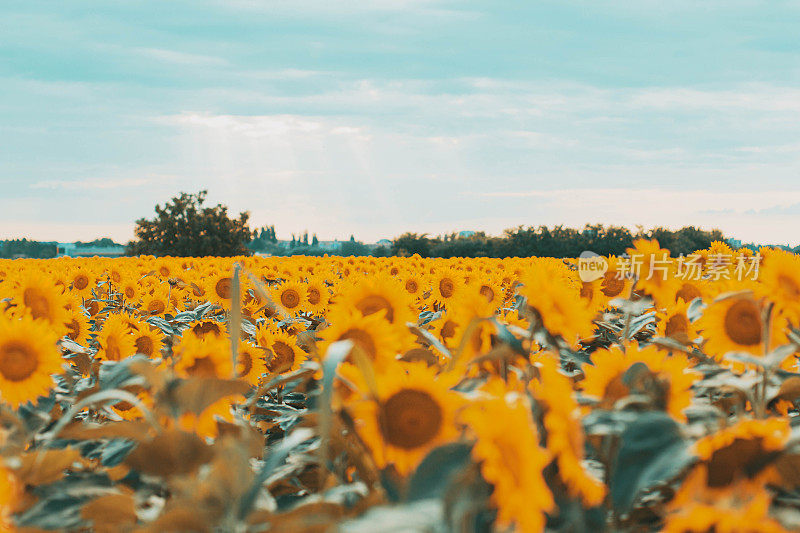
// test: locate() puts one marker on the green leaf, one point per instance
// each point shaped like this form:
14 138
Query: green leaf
435 473
652 451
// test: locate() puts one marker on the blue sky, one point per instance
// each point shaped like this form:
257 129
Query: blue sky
373 118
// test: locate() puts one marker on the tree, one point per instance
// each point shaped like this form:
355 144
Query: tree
314 240
185 228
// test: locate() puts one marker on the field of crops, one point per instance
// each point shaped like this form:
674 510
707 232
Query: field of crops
402 394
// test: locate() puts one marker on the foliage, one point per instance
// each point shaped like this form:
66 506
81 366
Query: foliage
185 228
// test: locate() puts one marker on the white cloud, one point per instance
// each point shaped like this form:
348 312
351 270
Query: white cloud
182 58
93 183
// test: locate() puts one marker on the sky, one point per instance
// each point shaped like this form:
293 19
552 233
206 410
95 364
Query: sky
380 117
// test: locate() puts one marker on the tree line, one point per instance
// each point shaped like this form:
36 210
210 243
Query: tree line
185 226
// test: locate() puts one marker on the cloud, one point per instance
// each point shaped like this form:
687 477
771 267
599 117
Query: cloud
181 58
94 183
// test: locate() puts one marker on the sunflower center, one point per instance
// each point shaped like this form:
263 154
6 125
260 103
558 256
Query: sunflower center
37 302
17 361
156 307
788 285
363 339
410 418
487 291
677 327
447 287
314 297
412 286
587 290
203 367
80 282
290 299
73 329
743 323
223 288
116 277
448 329
246 364
204 328
282 358
113 353
373 303
144 345
130 292
612 284
688 292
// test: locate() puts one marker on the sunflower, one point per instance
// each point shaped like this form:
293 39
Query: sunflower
656 276
317 295
218 288
728 491
81 282
283 353
28 359
148 340
564 428
37 296
447 283
413 413
202 328
734 323
10 495
155 303
251 364
507 448
674 323
115 339
77 324
613 284
740 508
206 357
780 283
667 379
129 411
561 309
377 294
205 424
291 295
376 337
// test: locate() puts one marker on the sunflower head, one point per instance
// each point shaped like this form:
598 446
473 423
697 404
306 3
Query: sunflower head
28 359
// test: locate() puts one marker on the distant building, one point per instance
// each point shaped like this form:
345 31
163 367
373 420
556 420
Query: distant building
384 242
71 249
466 234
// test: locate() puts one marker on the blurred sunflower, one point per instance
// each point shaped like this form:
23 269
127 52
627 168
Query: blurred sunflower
376 337
561 309
10 495
414 411
564 429
666 378
734 323
37 296
206 357
507 448
28 359
674 323
657 274
699 508
375 294
780 283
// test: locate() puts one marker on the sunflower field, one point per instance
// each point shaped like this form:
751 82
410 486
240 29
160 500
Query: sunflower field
402 394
